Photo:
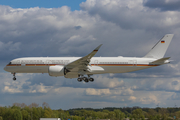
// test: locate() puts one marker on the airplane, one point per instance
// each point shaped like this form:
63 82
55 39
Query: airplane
80 67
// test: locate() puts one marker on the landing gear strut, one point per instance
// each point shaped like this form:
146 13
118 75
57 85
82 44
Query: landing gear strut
14 76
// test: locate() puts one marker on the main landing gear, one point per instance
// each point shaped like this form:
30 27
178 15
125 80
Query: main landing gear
85 79
14 76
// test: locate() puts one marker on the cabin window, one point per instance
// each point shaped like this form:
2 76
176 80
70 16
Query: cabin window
9 63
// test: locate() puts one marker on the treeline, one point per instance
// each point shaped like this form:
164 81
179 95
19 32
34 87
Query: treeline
21 111
33 111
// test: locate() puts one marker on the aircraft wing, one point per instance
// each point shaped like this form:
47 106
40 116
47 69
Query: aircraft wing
82 63
160 61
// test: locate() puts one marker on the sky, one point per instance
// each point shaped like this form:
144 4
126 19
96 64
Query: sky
125 28
73 4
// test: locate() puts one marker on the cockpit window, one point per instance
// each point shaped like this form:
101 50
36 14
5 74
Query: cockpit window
9 63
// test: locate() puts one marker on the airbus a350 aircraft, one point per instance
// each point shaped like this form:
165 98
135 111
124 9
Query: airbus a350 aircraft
79 67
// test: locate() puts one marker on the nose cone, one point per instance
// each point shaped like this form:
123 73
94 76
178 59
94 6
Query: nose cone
5 68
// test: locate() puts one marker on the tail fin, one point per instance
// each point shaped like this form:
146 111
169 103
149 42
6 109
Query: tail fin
160 48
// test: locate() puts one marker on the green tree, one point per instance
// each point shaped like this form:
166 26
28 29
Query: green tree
25 115
47 114
119 115
77 118
127 114
164 113
2 111
63 115
177 114
54 114
1 118
8 114
152 115
17 115
137 114
40 111
111 115
36 114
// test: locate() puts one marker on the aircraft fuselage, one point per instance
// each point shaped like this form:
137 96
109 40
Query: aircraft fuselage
108 64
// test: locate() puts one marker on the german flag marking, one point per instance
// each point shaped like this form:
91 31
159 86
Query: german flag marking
163 41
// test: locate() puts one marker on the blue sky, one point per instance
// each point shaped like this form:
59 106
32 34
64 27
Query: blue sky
128 28
73 4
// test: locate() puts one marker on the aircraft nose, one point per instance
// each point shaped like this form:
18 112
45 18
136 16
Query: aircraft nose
5 68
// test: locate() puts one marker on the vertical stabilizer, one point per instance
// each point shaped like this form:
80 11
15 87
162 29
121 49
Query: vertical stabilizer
160 48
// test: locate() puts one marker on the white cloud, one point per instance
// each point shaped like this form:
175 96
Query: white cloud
9 47
131 14
165 84
11 90
91 91
123 91
150 99
104 82
39 88
174 96
132 98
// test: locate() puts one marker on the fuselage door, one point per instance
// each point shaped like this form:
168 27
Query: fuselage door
18 63
133 62
48 62
23 63
96 62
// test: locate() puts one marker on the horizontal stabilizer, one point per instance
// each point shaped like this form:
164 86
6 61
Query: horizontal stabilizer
160 61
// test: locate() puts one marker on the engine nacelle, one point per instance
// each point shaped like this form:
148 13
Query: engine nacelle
56 71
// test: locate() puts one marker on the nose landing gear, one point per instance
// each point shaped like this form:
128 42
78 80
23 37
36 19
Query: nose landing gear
14 76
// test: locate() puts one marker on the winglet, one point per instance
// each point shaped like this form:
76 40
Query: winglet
98 47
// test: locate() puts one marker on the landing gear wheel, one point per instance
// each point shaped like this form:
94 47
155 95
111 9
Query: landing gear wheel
86 79
14 78
91 79
79 79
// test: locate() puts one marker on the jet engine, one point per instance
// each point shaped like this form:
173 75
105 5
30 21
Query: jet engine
56 71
